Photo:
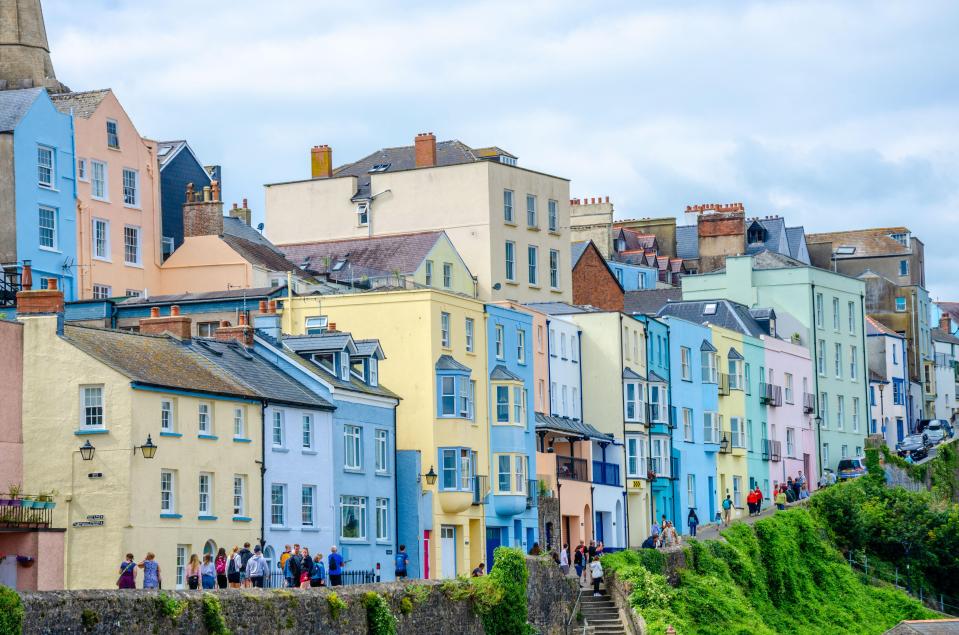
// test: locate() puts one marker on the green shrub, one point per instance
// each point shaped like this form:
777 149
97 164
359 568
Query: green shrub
507 615
89 619
213 616
336 605
169 606
11 612
406 606
417 593
379 618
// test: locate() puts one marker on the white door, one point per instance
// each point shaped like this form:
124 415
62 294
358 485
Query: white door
448 551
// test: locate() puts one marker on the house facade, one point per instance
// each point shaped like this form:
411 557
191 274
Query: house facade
179 167
889 414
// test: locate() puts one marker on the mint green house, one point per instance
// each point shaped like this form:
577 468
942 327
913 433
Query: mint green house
821 310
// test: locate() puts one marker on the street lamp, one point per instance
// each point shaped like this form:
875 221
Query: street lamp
148 449
818 420
724 444
430 476
87 450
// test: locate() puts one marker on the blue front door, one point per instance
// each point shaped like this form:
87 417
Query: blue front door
899 429
599 527
712 499
493 540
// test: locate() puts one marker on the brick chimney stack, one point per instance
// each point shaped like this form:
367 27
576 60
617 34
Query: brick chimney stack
41 301
945 323
242 333
243 213
321 161
425 147
203 211
179 326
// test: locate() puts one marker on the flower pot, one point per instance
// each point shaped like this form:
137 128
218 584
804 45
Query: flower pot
28 504
9 502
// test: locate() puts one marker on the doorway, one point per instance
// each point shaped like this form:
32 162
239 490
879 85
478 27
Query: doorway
448 551
494 538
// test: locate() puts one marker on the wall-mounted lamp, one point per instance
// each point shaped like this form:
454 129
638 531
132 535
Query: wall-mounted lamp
148 449
430 476
87 450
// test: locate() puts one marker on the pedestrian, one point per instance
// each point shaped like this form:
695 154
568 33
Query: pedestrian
291 572
592 550
584 579
578 560
600 549
128 573
564 559
401 560
670 537
245 555
151 571
649 543
803 493
797 487
306 568
751 502
233 568
596 573
535 550
318 574
781 499
283 564
693 521
336 567
790 495
208 572
193 572
655 530
220 566
479 571
256 568
727 510
759 500
801 480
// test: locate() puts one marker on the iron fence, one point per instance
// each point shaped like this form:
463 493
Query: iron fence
20 513
938 601
349 578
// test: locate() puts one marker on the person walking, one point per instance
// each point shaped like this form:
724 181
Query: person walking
151 571
318 574
193 572
281 562
256 568
592 550
306 568
128 573
596 573
401 560
751 502
670 537
654 530
759 500
233 568
578 560
220 566
564 559
245 555
727 510
781 499
693 521
208 572
336 567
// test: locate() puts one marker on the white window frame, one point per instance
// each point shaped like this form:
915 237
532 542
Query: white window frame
428 273
278 504
837 351
788 388
520 346
308 506
500 341
853 365
469 335
381 439
307 431
96 224
363 213
83 170
633 457
532 219
835 314
99 187
382 519
552 215
359 503
688 432
447 275
532 258
205 494
239 422
167 414
132 230
135 204
855 414
54 229
102 291
92 398
509 260
239 495
508 210
46 170
115 134
444 329
684 363
278 426
167 492
553 269
352 447
852 318
819 310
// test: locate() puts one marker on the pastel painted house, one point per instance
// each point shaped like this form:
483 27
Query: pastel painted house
118 196
159 470
179 167
358 447
38 217
888 383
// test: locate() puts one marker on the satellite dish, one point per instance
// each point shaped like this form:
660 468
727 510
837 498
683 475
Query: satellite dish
497 286
259 227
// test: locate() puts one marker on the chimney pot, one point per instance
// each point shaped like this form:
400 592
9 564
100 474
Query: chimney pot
945 324
224 323
175 310
272 305
424 146
332 326
321 162
245 206
263 306
51 284
154 311
243 319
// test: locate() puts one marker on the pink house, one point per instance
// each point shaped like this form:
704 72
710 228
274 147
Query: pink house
789 408
118 198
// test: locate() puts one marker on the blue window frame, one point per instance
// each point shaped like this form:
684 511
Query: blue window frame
455 395
457 469
898 397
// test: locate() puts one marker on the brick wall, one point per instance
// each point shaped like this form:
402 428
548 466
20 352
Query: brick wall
203 218
595 284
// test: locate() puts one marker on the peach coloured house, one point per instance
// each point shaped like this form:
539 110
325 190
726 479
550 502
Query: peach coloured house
118 198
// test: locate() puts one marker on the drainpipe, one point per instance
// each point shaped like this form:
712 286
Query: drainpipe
815 374
262 462
649 435
865 361
622 363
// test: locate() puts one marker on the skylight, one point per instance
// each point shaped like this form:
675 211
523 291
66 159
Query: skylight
380 167
845 250
710 308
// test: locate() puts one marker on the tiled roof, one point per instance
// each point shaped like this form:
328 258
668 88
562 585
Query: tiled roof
258 254
766 259
650 301
941 336
565 425
447 362
656 378
357 257
950 308
629 373
259 293
875 327
154 359
81 104
14 105
299 351
687 241
369 348
259 375
867 242
635 240
728 314
501 373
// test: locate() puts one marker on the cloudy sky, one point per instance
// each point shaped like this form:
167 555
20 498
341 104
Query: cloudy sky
836 115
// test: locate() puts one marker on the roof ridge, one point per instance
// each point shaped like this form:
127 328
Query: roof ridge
78 93
88 327
358 238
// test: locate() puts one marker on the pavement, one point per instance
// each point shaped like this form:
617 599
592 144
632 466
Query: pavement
933 451
712 531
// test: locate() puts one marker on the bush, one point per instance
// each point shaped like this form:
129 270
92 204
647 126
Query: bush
169 606
213 616
508 615
11 612
336 605
379 618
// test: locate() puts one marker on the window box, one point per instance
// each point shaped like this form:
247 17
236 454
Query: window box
208 437
206 517
166 515
242 519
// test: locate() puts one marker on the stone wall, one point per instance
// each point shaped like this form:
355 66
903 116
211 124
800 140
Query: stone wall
551 597
548 507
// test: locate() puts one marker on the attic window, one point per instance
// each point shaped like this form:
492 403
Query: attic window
339 264
380 167
507 160
710 308
902 239
316 324
845 250
326 361
163 151
756 234
363 213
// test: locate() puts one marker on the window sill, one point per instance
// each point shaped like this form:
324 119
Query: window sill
509 223
383 474
97 198
208 437
280 450
99 259
136 208
554 232
532 229
133 265
115 148
555 290
242 440
310 530
512 282
242 519
279 528
354 470
48 188
96 431
173 516
354 541
309 452
206 517
533 285
52 250
170 434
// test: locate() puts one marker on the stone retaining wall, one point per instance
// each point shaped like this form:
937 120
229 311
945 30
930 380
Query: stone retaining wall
550 595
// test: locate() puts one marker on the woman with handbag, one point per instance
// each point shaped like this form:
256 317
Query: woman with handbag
306 568
151 572
193 572
128 573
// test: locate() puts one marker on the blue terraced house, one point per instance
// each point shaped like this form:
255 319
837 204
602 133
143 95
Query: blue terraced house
362 445
634 277
38 210
696 405
512 514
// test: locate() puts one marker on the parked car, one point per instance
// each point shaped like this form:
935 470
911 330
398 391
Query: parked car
915 444
937 431
851 468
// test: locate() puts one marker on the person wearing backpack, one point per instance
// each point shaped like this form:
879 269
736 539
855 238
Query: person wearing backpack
336 567
727 510
245 555
233 568
596 573
220 565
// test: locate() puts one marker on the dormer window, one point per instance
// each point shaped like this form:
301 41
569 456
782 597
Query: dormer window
620 244
756 234
326 361
316 325
901 238
344 366
373 366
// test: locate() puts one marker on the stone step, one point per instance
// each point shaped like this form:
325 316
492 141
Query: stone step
603 622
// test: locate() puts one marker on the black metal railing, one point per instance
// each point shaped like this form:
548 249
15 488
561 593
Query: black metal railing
22 513
724 384
606 473
532 486
480 489
771 394
808 402
571 468
348 578
9 286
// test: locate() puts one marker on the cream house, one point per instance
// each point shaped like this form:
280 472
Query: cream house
510 224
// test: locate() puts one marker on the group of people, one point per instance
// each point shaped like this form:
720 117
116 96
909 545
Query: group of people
246 567
586 562
664 534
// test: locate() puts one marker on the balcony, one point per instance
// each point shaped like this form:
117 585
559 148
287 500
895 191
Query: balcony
771 394
480 489
606 473
9 286
723 384
659 467
571 468
21 513
808 403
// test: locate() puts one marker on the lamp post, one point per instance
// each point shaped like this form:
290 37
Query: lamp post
87 450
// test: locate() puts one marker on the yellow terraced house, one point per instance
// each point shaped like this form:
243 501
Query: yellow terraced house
438 342
95 402
731 469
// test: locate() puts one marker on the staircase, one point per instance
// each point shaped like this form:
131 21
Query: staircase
601 613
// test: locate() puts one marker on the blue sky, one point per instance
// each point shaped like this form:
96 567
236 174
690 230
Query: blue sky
836 115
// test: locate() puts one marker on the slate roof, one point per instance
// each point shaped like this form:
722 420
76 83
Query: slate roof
763 314
447 362
927 627
766 259
629 373
565 425
373 256
650 301
259 375
168 150
14 105
734 354
687 241
329 342
501 373
157 360
259 293
656 378
939 335
369 348
577 250
236 227
729 314
560 308
867 242
297 349
708 347
258 253
82 104
796 239
950 308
